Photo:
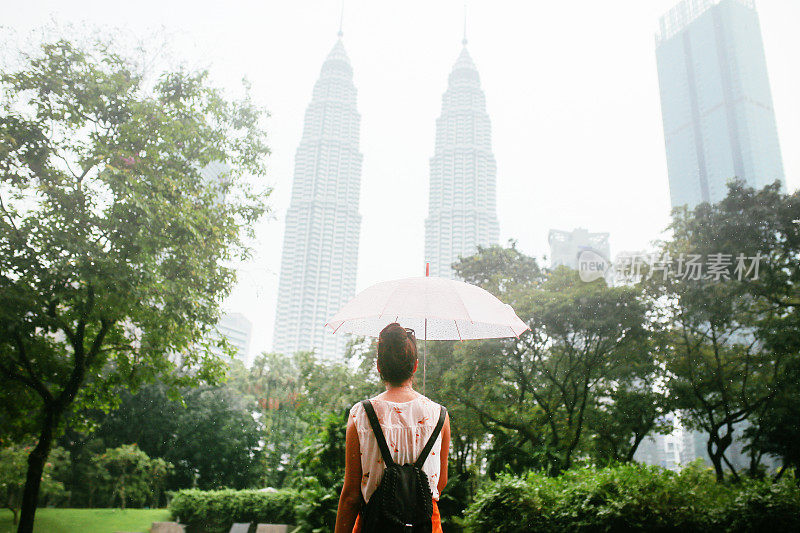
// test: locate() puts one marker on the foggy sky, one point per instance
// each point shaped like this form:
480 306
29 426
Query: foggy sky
571 89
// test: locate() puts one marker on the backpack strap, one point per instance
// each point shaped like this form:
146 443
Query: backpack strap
429 445
376 429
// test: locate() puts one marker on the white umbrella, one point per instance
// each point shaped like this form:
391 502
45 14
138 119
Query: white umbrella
442 309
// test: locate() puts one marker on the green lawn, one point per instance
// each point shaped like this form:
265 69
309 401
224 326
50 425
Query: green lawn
89 520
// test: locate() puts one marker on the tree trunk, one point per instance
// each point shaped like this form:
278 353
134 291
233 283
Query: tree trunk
637 440
33 480
717 456
716 460
734 473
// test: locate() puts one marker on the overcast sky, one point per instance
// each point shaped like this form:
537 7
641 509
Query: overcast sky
571 89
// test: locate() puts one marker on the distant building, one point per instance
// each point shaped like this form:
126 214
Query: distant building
320 245
695 446
660 450
238 330
217 174
462 210
716 104
566 245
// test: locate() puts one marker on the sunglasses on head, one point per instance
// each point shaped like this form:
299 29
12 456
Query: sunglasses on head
410 332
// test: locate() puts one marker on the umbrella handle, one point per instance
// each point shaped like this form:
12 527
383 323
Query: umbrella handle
425 357
425 339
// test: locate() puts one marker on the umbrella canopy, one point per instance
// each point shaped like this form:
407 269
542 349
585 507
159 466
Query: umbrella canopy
436 308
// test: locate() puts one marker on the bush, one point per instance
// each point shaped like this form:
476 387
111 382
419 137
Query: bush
214 511
453 501
633 498
765 506
316 512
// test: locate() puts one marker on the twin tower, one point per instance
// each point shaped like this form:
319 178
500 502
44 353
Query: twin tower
320 246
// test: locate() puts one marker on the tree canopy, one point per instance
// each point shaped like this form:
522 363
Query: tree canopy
123 197
730 341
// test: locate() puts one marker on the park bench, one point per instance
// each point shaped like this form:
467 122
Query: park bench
167 527
273 528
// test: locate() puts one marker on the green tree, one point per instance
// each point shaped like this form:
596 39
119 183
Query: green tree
211 436
772 227
113 232
292 397
129 473
80 474
508 274
157 476
500 270
319 472
775 429
587 342
272 391
633 409
730 339
12 476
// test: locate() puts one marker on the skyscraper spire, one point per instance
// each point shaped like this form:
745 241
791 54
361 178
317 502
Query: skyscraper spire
464 40
341 21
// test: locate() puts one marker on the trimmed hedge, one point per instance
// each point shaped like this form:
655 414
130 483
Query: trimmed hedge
634 498
619 498
213 511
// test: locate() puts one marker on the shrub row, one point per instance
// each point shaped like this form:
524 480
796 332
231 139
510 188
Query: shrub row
634 498
620 498
213 511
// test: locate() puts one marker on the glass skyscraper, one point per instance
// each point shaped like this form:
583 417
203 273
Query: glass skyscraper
320 245
238 330
462 212
716 104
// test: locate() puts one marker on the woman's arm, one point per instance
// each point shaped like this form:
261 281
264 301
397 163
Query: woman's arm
443 454
350 499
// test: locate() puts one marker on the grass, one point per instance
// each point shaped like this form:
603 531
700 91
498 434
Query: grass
89 520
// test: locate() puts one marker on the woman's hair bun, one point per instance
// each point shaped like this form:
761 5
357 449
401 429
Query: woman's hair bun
397 353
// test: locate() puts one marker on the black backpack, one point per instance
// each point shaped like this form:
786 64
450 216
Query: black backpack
403 501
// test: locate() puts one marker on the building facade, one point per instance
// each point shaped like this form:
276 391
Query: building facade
660 450
237 330
462 210
320 246
566 245
695 446
716 104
